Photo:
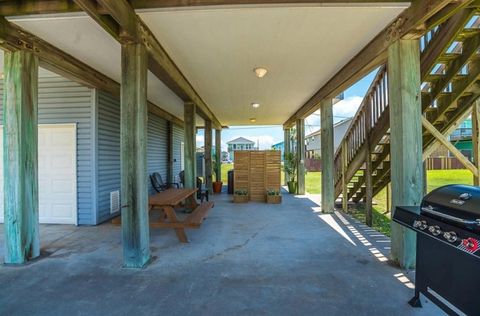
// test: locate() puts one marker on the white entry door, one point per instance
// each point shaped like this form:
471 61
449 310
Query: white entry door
57 173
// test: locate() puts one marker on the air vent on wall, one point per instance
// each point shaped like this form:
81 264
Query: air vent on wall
114 202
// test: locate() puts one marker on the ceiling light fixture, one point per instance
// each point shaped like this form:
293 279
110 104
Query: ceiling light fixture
253 120
260 72
255 105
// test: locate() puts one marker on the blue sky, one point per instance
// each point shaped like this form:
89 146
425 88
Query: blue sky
266 136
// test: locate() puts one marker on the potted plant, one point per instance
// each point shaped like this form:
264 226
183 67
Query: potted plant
290 168
217 184
240 196
274 197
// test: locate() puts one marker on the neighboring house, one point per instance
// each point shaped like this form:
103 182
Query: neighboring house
461 138
313 140
79 151
239 143
279 146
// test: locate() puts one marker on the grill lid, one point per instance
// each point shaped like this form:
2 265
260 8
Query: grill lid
457 205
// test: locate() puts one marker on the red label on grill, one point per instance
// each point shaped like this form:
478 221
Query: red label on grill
470 245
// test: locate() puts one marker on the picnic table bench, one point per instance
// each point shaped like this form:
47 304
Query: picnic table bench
167 201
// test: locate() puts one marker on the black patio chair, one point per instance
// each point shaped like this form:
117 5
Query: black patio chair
202 194
159 185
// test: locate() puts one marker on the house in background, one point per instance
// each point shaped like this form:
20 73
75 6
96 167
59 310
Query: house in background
313 140
240 143
279 146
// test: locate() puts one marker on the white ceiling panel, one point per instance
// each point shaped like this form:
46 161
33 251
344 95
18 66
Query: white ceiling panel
302 47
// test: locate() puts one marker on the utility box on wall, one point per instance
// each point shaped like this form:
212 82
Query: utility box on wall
257 171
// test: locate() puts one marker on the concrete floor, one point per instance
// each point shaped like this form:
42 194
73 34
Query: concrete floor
251 259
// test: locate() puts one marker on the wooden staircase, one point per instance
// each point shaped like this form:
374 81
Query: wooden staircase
450 70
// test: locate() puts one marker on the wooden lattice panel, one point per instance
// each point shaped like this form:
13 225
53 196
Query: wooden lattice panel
242 170
257 171
273 170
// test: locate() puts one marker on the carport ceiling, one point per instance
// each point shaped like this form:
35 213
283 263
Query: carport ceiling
217 48
301 46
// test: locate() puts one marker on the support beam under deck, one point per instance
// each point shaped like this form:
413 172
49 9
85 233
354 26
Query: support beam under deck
190 145
218 155
300 127
406 142
208 155
20 157
326 148
133 148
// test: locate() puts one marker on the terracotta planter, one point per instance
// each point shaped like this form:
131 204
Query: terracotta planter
274 199
240 199
217 187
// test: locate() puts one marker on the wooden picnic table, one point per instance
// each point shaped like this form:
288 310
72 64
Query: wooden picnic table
169 199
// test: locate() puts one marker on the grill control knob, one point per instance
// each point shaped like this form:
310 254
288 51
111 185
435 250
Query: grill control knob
435 230
450 236
422 225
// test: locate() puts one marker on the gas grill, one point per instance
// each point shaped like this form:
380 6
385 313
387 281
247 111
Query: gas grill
448 248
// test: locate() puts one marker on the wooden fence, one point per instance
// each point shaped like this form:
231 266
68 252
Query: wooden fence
443 163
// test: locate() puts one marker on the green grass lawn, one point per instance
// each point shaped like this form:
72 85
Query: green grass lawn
435 179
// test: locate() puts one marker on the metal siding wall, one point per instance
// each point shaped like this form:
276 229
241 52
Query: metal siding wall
64 101
178 137
109 150
157 156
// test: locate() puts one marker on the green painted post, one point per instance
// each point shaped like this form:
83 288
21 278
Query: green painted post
190 145
406 141
20 157
133 130
286 140
218 154
208 155
326 148
300 126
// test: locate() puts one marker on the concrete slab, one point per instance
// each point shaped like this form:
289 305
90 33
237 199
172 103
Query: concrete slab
246 259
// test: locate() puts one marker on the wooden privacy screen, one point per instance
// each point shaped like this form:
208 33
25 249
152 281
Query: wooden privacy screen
257 171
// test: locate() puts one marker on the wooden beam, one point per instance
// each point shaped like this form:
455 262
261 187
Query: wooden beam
445 142
190 146
218 155
476 140
14 38
368 173
20 126
344 177
300 128
133 29
287 150
133 151
374 54
405 142
327 155
207 134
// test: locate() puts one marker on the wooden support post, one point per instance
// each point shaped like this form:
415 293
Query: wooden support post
476 140
300 126
208 155
287 150
170 155
20 121
406 142
218 155
368 167
190 145
326 147
344 179
368 188
133 129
